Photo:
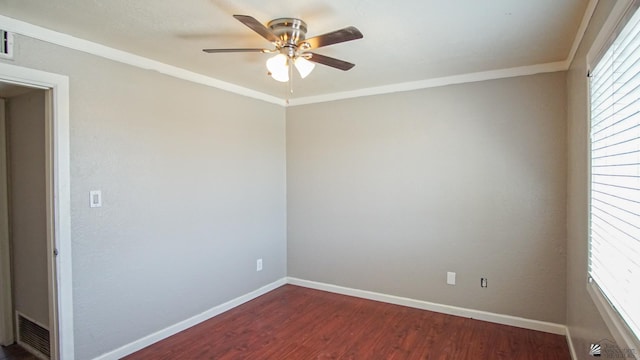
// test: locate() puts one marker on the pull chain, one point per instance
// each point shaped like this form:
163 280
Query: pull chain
290 76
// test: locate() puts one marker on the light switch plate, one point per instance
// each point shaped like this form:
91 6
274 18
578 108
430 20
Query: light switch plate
95 198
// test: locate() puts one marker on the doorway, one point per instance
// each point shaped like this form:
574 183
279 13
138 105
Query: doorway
25 203
57 253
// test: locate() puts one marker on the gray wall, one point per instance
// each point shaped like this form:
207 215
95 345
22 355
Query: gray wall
388 193
584 322
385 193
193 184
27 193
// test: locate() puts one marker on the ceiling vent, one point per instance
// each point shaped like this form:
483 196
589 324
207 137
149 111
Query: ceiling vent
6 44
33 337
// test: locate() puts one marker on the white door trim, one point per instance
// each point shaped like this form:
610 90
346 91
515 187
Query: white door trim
59 202
6 299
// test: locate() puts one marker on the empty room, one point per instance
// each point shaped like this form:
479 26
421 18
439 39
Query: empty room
319 180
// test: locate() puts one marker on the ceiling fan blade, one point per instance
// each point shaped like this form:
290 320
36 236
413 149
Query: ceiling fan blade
334 37
213 51
258 27
329 61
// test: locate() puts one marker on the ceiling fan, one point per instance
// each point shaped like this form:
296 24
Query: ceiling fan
288 35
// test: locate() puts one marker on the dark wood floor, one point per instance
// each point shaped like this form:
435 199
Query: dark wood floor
292 322
15 352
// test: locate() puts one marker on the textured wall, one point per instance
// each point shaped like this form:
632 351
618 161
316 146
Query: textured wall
385 193
388 193
26 124
193 184
584 322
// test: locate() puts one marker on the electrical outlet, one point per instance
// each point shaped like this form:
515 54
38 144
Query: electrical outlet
259 265
451 278
483 282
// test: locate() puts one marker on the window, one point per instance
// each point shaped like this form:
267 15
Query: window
614 256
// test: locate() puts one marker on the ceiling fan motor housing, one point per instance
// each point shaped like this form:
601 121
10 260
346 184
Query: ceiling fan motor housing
290 30
288 35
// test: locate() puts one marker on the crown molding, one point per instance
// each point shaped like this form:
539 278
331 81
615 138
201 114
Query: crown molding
582 29
68 41
72 42
436 82
463 78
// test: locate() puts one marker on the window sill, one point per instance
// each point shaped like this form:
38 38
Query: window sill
621 333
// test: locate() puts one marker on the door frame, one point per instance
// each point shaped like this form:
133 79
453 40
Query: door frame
6 298
58 203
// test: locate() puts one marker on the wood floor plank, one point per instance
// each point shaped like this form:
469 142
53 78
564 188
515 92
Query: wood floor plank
293 322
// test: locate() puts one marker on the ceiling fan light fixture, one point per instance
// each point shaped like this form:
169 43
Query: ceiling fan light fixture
278 66
289 36
304 66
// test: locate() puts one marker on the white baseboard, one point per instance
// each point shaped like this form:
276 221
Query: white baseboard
391 299
572 349
183 325
445 309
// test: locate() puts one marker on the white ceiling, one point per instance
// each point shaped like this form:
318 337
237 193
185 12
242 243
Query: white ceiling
404 41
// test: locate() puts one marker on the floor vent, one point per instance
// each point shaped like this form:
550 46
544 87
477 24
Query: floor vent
33 337
6 44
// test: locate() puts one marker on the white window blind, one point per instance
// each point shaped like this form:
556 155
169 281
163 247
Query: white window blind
614 256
